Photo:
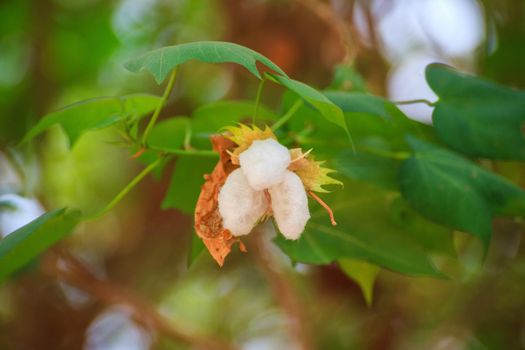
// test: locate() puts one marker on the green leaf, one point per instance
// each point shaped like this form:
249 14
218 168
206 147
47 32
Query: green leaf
95 113
160 62
361 108
186 182
320 102
25 244
365 231
368 167
210 118
363 273
168 135
477 117
453 191
434 238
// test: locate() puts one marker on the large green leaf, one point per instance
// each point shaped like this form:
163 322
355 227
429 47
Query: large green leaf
95 113
477 117
364 166
453 191
327 108
25 244
186 182
366 231
160 62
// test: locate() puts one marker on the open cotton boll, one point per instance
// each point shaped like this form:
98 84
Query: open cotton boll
240 205
264 163
290 205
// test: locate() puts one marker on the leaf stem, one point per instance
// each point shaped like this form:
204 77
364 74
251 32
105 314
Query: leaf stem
163 100
258 98
421 100
127 189
290 113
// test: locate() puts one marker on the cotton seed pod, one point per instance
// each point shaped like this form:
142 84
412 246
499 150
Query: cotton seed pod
264 163
240 205
290 205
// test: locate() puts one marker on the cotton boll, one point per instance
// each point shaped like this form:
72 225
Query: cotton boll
240 205
264 163
290 205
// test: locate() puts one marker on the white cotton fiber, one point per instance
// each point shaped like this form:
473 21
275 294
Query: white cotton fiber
240 205
290 205
264 163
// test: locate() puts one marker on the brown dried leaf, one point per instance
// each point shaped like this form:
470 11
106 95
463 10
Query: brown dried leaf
208 222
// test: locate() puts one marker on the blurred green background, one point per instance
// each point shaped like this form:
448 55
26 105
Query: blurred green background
56 52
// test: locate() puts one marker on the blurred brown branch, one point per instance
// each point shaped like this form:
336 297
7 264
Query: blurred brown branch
65 267
343 30
283 292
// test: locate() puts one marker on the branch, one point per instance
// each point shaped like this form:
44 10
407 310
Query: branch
283 292
326 13
65 267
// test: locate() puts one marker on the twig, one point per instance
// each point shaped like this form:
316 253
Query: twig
283 292
67 268
328 15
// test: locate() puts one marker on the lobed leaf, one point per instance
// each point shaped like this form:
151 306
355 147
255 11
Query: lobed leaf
95 113
365 231
453 191
477 117
162 61
321 103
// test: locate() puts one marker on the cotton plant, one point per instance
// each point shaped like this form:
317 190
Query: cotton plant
256 178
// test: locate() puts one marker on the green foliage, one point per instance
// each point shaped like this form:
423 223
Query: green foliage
211 118
403 194
450 189
169 134
369 167
95 113
28 242
186 182
162 61
320 102
365 231
477 117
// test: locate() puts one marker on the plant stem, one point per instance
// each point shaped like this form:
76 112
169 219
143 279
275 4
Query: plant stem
65 267
126 189
284 293
156 114
421 100
290 113
258 98
187 152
